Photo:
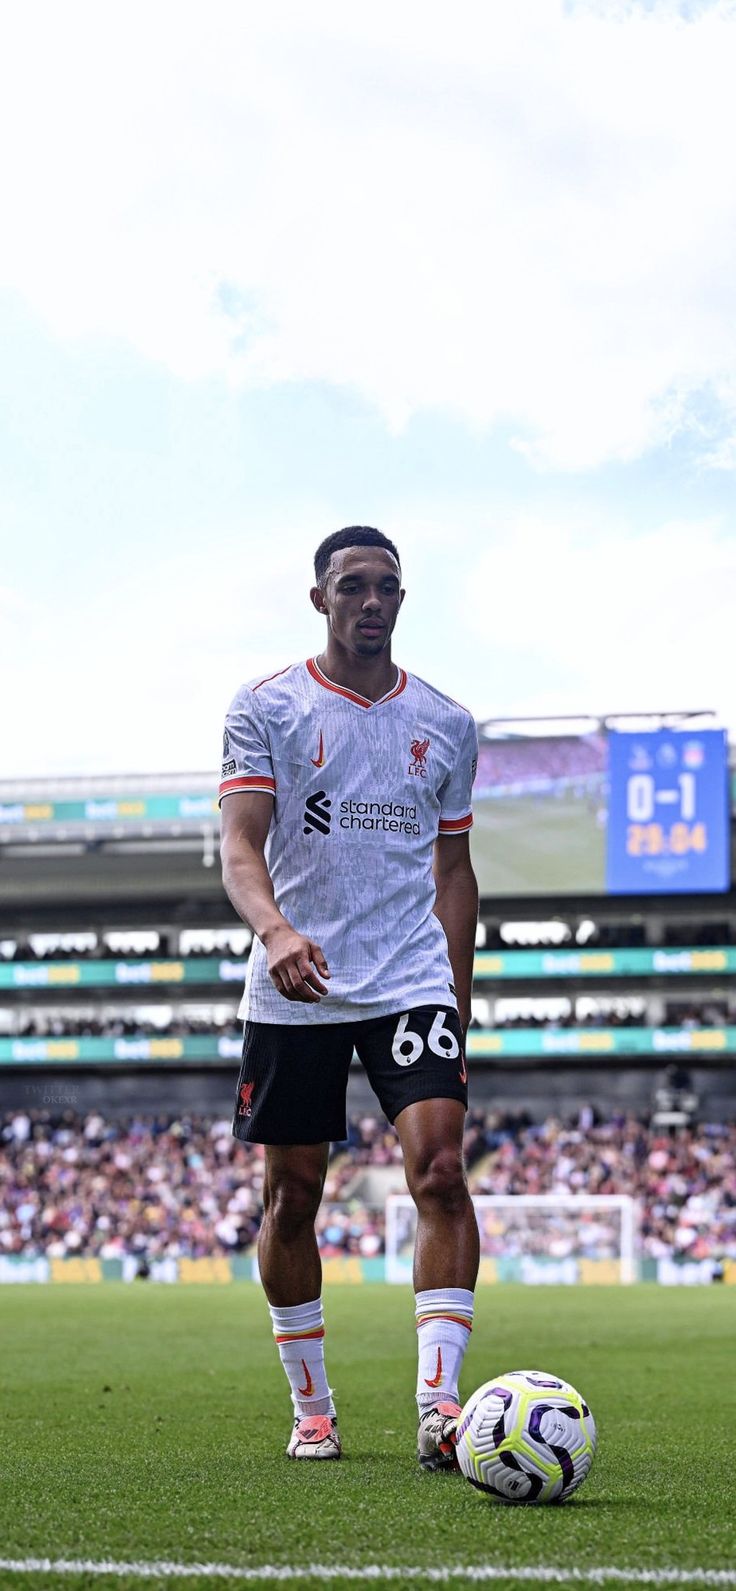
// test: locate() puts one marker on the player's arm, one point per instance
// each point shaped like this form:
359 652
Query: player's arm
456 905
295 964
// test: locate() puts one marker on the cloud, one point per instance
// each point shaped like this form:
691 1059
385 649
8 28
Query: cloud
598 620
138 677
521 214
535 614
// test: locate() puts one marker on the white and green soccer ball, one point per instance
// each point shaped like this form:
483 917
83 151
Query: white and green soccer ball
526 1437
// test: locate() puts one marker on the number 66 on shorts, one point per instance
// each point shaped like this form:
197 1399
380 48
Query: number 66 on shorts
294 1078
408 1045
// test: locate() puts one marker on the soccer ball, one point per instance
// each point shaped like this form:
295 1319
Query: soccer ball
526 1437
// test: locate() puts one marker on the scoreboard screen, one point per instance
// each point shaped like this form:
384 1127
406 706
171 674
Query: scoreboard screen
668 812
602 811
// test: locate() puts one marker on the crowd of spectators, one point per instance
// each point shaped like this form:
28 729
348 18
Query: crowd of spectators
559 935
94 947
625 935
162 1186
698 1014
150 1185
40 1024
688 933
685 1182
515 764
614 1018
90 948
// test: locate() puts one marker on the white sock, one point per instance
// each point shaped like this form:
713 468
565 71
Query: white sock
300 1333
444 1323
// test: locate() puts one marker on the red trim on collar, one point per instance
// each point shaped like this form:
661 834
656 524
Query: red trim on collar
352 696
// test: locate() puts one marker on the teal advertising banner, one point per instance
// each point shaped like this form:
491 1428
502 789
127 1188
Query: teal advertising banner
483 1043
489 966
194 807
120 974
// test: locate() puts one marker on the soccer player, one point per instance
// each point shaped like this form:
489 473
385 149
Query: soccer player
345 798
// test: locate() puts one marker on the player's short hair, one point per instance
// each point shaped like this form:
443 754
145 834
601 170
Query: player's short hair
351 536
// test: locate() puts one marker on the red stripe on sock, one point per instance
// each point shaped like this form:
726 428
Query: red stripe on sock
299 1336
460 1320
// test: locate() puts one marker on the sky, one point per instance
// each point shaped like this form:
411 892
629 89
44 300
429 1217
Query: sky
465 273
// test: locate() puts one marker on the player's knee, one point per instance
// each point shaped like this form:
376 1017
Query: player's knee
441 1181
294 1202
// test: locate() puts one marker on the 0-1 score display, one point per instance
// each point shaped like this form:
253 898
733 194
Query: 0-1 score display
668 816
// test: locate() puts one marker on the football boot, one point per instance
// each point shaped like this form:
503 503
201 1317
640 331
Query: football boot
314 1436
436 1437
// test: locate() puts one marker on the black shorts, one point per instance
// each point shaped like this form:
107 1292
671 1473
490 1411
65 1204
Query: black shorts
293 1079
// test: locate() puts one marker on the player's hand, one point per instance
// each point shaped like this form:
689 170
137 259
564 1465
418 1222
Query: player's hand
296 965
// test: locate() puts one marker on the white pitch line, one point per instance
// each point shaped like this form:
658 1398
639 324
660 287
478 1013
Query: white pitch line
533 1574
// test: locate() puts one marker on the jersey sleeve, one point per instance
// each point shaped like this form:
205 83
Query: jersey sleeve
456 813
246 753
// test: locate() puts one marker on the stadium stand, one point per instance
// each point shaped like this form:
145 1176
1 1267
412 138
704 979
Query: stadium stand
171 1187
64 1024
539 764
600 1057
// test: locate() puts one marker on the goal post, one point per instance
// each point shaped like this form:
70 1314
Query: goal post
538 1238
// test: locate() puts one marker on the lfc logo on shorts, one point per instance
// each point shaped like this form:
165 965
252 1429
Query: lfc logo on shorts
418 765
246 1095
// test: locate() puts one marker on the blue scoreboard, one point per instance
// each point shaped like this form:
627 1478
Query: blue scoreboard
668 812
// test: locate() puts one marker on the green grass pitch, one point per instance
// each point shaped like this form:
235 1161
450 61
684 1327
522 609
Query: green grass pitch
147 1423
523 845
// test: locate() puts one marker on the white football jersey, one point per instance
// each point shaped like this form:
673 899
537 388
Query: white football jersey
361 791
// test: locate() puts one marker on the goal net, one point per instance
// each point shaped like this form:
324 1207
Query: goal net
534 1237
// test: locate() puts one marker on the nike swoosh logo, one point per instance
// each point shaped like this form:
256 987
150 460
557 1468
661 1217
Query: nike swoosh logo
308 1390
463 1070
319 760
438 1378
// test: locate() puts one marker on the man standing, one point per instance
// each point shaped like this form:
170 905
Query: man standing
345 847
